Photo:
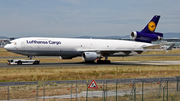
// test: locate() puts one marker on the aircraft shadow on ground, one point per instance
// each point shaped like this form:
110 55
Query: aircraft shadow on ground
93 64
76 64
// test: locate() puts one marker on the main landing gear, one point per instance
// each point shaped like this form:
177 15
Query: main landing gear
99 61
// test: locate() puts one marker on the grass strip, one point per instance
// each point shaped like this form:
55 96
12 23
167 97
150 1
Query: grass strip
84 73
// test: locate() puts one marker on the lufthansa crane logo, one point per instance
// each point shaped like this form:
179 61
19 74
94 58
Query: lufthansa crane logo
152 26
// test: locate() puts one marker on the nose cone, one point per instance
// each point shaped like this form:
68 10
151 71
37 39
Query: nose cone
8 47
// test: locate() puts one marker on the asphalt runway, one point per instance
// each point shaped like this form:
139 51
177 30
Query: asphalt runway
116 56
82 64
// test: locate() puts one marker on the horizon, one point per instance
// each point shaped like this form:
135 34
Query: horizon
167 36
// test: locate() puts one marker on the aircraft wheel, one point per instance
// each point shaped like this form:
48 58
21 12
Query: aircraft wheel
89 61
108 61
19 63
99 61
103 61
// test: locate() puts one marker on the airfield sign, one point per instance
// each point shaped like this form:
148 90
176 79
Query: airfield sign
93 85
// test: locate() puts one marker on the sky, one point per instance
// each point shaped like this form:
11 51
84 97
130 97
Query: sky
74 18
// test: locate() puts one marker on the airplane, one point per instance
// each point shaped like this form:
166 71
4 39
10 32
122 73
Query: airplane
89 49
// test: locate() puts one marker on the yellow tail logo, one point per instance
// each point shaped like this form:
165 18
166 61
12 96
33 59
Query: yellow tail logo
152 26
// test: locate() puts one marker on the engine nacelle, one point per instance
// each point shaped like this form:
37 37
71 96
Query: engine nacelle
146 37
89 56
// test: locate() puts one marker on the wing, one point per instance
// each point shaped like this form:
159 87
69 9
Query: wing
112 51
126 51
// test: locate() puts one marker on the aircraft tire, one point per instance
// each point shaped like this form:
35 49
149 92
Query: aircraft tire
108 61
19 63
99 61
103 61
89 61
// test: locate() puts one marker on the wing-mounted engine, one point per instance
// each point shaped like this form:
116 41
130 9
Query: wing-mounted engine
148 34
89 56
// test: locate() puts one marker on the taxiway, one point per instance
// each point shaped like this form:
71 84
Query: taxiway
82 64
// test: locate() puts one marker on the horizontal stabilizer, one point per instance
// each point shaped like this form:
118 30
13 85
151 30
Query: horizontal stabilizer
170 47
110 50
155 46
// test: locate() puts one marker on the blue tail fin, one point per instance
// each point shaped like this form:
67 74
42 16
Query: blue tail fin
151 26
148 34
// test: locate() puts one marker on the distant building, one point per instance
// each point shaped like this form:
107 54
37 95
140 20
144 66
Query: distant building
3 42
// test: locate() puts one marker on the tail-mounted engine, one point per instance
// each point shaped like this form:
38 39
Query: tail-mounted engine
147 34
146 37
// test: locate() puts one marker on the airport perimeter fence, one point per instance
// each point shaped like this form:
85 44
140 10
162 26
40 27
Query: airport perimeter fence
162 89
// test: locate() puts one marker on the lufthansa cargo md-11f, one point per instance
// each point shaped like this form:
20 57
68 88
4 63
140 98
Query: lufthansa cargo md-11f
89 49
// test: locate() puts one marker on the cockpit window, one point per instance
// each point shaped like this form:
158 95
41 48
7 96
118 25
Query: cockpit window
8 43
14 43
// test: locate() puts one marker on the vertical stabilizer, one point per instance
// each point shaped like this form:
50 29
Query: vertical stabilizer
151 26
148 34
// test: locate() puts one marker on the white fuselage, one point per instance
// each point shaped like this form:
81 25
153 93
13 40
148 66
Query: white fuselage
38 46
